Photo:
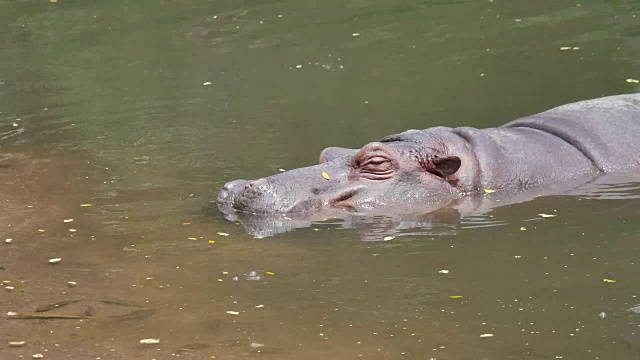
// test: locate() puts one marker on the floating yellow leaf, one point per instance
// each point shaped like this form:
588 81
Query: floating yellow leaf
546 215
6 281
270 273
86 205
212 357
186 223
222 234
325 175
40 230
220 280
608 280
633 81
53 1
489 191
192 238
212 241
523 228
456 296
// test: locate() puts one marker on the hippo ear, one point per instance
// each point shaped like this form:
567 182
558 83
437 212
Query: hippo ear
445 166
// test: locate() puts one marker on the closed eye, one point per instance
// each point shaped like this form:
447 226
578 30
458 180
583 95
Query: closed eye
375 162
377 165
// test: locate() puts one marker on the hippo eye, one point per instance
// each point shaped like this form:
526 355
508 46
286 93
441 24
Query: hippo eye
377 165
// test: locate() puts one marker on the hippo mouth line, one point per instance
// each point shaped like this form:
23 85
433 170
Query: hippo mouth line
344 199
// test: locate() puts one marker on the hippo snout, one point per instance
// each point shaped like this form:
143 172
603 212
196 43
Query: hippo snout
228 191
261 196
242 190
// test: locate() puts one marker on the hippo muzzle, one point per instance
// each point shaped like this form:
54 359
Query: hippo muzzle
265 196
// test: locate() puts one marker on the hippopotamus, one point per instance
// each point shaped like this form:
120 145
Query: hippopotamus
434 168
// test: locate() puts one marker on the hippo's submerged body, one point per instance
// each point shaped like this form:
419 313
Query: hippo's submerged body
434 167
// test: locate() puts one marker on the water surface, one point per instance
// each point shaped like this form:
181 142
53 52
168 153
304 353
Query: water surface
144 109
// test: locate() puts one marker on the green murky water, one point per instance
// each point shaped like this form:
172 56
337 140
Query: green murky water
144 109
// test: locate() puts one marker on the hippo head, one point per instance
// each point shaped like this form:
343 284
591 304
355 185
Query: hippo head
409 169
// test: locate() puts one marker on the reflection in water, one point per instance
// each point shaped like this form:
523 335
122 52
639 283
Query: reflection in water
609 187
370 227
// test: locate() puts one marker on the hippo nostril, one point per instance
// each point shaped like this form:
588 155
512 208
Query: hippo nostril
256 183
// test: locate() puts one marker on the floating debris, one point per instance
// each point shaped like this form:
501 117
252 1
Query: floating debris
40 230
523 229
259 306
455 296
222 233
192 238
55 260
547 215
443 271
233 312
150 341
186 223
388 238
29 316
609 280
39 356
325 175
270 273
282 170
252 276
355 34
8 241
71 283
68 220
602 315
486 336
489 191
86 205
212 241
17 343
9 288
206 83
633 81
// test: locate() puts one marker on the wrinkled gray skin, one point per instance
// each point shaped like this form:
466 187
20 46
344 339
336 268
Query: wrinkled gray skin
434 168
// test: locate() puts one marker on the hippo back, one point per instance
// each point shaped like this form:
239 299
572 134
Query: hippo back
605 130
